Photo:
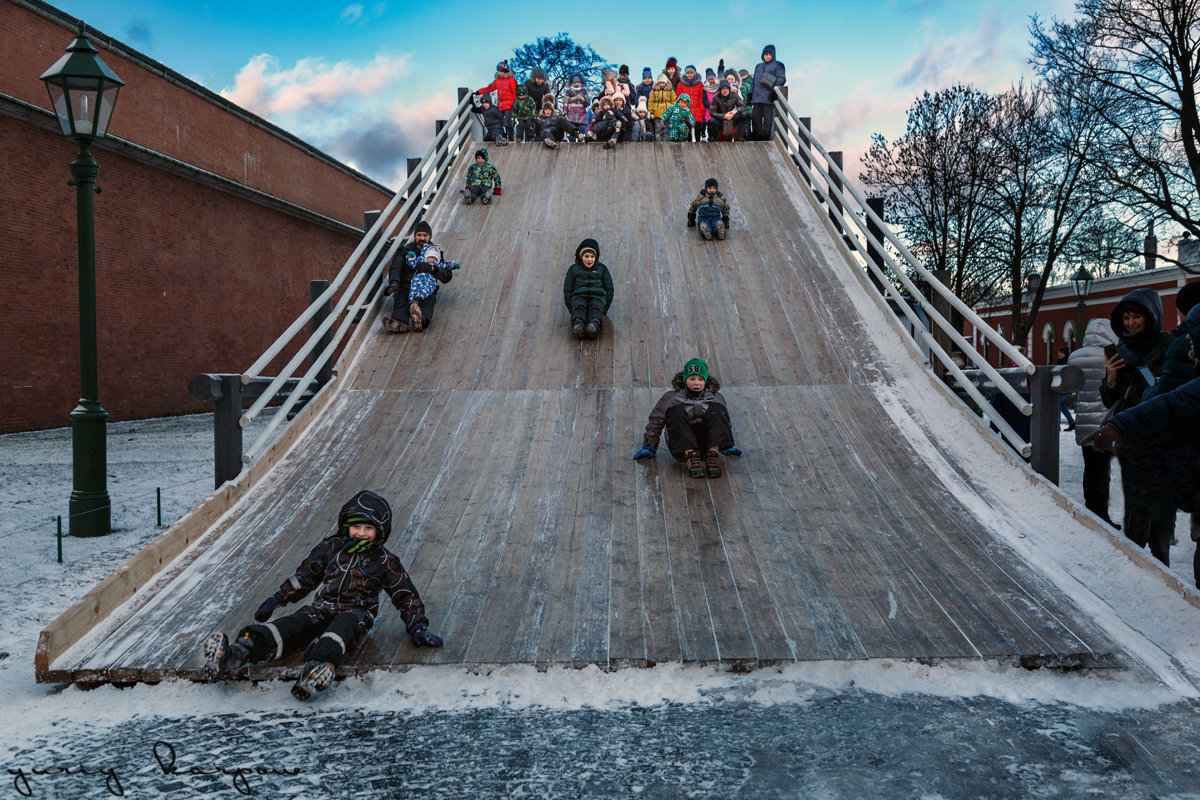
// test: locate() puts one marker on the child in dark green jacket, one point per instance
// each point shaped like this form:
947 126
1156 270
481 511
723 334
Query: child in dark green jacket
587 290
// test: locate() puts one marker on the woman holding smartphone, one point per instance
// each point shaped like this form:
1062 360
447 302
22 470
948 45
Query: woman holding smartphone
1132 366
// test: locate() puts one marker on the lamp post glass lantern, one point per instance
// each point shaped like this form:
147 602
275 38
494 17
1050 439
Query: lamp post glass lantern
1081 282
83 92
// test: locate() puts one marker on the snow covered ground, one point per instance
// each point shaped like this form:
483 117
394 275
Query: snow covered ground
818 729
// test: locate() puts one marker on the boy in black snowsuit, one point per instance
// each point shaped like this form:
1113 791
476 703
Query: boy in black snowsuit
710 210
696 420
347 569
493 122
587 290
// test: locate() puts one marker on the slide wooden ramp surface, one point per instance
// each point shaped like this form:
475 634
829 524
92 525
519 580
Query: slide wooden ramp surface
505 447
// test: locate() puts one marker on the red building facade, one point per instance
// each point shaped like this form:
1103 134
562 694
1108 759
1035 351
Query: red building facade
210 225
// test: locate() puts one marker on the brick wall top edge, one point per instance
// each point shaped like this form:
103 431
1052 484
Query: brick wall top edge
104 42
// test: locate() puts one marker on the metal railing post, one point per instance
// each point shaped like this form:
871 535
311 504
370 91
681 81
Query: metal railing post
325 373
227 433
834 189
874 234
1043 429
942 306
438 125
805 149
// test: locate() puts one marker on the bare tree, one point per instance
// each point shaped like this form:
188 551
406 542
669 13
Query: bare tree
559 56
1043 192
932 179
1136 64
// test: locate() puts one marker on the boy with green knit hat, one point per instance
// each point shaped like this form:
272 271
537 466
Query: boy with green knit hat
696 420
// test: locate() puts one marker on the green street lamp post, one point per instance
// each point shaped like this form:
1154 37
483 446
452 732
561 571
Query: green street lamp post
1081 282
83 91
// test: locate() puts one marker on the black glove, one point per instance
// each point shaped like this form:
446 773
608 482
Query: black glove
391 289
1104 438
725 221
691 220
444 274
270 604
422 636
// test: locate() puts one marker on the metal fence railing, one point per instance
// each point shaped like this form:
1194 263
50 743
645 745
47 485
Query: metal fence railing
865 232
356 285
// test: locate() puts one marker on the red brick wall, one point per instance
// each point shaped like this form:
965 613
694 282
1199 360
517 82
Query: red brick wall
189 278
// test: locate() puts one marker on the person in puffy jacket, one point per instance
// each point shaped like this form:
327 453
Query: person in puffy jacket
575 105
678 120
696 419
481 176
1090 414
767 75
662 97
726 115
525 113
587 291
1137 320
347 570
710 210
1169 418
505 87
691 85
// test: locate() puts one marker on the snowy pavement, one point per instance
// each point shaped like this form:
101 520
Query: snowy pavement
818 729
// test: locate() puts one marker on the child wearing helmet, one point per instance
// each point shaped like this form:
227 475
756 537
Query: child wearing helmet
347 570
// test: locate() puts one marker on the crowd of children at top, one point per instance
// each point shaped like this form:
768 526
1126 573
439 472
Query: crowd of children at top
679 105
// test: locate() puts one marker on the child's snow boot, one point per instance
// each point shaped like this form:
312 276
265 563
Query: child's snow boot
692 462
414 316
220 656
611 143
553 145
592 330
468 200
706 231
712 464
487 198
577 329
316 676
721 230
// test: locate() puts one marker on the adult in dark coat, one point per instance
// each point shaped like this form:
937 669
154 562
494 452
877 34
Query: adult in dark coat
1137 320
1174 409
767 75
400 275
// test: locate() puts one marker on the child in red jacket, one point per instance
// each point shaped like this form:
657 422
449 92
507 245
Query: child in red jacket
505 87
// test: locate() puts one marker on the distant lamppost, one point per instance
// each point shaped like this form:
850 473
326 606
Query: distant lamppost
1081 281
83 91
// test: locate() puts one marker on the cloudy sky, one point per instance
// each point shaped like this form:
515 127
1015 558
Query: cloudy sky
365 81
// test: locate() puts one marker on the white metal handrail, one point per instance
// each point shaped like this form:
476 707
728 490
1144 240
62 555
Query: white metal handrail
417 192
842 193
